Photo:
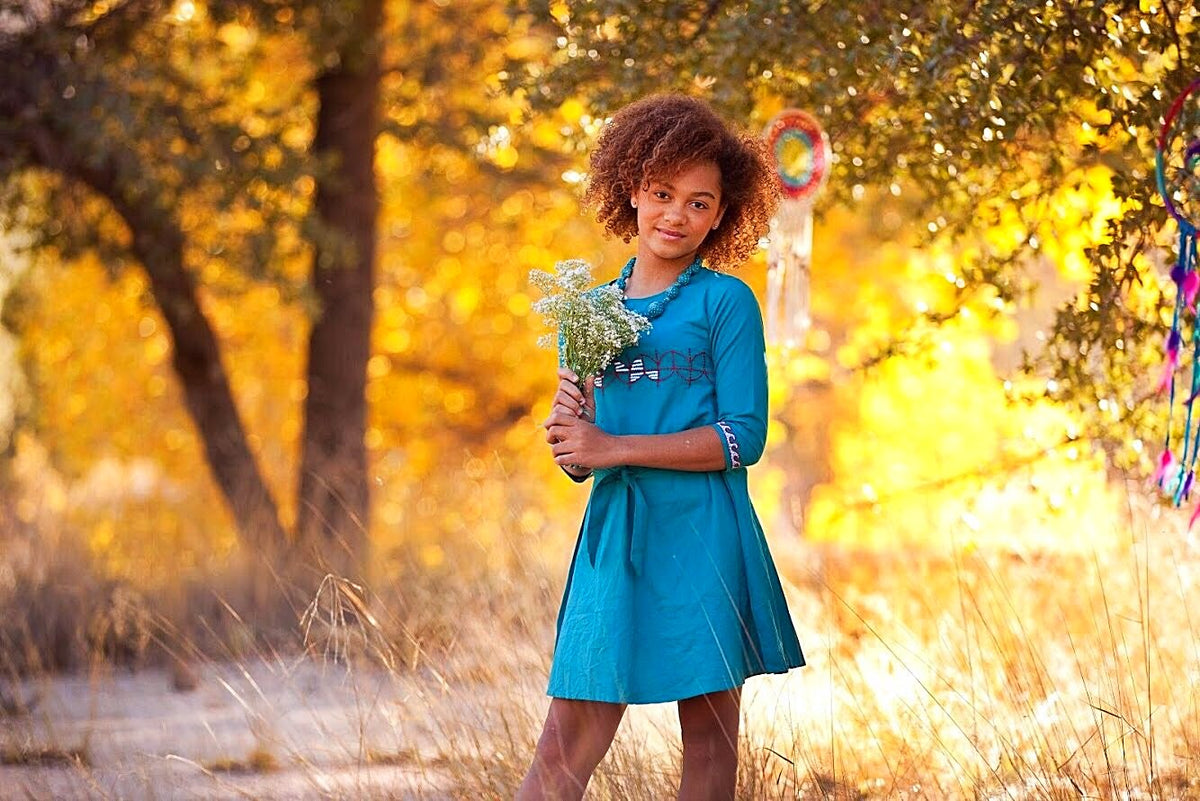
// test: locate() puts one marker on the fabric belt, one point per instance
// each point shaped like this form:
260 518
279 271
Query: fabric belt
624 514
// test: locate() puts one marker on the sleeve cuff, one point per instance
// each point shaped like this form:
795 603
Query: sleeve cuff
575 478
733 457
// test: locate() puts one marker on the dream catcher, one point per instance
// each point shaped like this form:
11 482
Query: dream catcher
801 152
1178 168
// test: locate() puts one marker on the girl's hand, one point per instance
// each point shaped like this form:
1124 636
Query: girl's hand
577 442
581 402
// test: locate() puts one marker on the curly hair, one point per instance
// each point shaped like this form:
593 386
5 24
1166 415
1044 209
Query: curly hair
657 136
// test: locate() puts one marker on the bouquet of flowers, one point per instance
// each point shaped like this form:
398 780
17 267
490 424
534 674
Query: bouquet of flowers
593 324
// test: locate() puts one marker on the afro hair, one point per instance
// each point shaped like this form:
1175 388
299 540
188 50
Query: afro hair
655 137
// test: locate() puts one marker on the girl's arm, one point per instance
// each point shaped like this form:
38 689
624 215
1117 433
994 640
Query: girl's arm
697 449
574 441
577 443
734 440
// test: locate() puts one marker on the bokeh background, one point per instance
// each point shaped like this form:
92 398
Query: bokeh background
267 320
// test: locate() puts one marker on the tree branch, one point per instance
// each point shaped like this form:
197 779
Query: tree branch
705 20
158 243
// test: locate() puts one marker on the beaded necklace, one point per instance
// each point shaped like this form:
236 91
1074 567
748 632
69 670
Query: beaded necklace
657 307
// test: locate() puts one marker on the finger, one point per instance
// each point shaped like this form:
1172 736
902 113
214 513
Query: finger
567 374
563 400
569 400
573 410
570 389
562 416
562 450
560 433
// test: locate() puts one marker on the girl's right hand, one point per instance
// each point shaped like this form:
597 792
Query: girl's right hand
580 402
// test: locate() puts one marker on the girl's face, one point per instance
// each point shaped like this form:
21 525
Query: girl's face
675 214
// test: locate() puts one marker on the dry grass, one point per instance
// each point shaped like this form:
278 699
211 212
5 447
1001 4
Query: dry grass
43 755
951 673
259 760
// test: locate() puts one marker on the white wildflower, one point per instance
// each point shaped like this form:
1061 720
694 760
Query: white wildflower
593 324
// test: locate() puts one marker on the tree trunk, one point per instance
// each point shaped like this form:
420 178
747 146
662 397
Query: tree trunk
196 357
197 361
334 496
115 171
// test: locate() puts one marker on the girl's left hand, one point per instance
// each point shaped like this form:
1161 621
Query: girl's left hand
577 442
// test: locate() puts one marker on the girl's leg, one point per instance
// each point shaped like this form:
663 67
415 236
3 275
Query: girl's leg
575 738
709 724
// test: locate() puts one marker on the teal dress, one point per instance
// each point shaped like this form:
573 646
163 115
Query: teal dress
672 592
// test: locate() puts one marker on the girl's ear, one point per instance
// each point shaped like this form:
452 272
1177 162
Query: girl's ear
720 216
637 190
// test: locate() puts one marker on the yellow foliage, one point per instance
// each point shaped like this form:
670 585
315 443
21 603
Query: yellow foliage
505 157
926 449
236 37
571 110
920 449
1079 220
935 454
560 11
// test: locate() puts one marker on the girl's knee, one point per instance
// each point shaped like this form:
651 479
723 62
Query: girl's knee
711 744
709 724
710 740
576 736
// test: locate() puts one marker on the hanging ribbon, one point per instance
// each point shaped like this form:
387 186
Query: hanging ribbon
802 155
1177 169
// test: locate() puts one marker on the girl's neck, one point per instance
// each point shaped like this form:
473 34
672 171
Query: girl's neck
652 274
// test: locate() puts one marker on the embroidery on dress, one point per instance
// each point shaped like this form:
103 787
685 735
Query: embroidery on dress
735 459
635 370
686 365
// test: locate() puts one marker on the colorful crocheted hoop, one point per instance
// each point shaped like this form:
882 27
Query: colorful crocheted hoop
1177 159
801 151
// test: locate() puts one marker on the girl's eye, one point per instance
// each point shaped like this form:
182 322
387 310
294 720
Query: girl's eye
699 204
661 195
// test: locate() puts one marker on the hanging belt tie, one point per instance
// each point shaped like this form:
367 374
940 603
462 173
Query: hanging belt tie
626 497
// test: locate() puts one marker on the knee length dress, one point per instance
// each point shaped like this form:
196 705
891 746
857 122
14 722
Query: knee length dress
672 592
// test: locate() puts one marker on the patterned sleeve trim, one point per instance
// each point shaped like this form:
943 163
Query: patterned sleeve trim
575 478
731 443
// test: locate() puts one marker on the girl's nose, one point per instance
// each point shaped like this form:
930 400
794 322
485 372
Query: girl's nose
674 214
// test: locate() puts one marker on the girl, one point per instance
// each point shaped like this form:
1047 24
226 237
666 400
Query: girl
672 594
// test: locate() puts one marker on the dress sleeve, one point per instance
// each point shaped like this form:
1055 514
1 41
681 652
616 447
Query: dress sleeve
740 361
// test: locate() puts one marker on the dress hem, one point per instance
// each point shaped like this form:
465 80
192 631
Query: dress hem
725 685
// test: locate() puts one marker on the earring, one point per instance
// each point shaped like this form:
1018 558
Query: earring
715 226
633 203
